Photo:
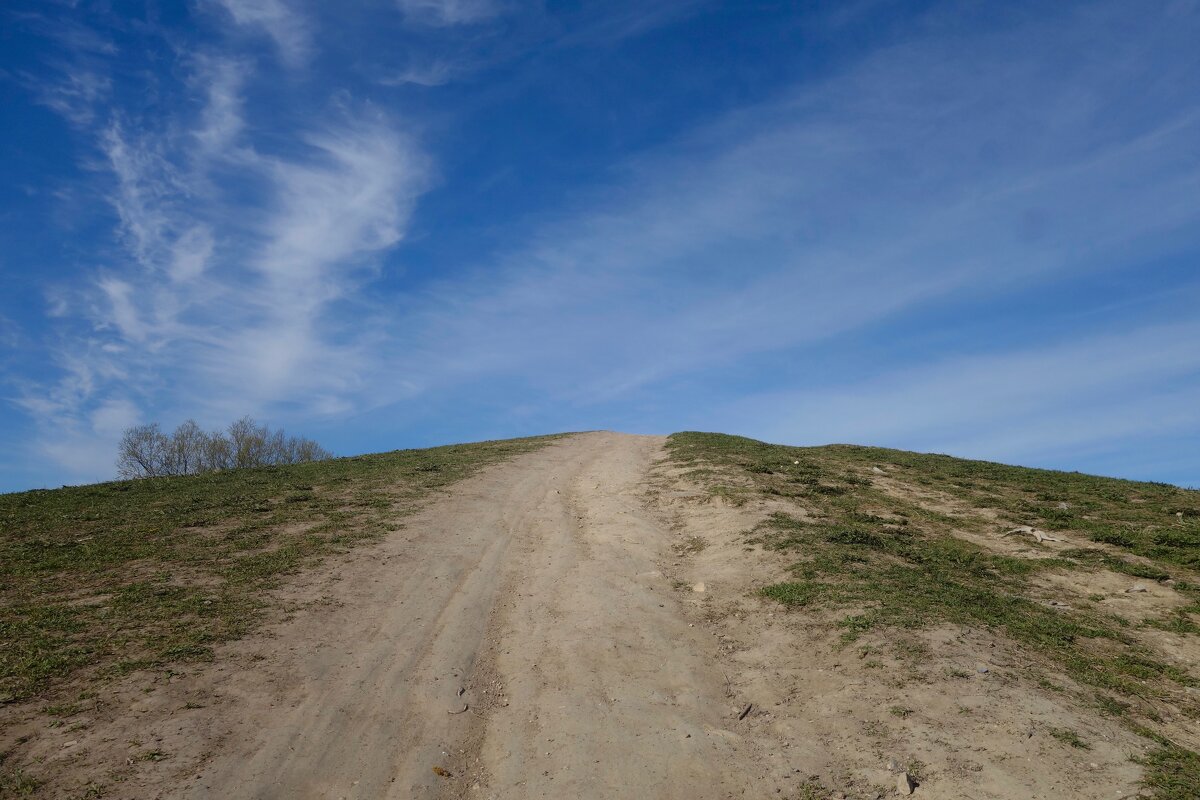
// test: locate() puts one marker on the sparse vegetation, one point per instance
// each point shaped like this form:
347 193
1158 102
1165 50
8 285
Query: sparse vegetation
691 545
1172 772
884 535
100 580
1069 737
16 783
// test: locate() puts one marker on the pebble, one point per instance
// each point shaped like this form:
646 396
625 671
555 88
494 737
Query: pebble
905 785
699 587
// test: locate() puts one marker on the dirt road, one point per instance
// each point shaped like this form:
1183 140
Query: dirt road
533 597
585 621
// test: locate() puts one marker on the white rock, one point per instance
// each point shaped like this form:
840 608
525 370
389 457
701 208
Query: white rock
905 785
699 587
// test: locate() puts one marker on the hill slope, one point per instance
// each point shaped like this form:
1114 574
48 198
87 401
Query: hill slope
696 616
1060 608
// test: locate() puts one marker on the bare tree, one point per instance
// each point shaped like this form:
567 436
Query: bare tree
186 450
142 452
249 441
308 450
146 452
218 453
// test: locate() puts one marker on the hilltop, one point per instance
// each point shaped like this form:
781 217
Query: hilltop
600 615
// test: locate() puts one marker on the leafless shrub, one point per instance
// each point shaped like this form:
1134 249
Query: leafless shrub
145 451
142 452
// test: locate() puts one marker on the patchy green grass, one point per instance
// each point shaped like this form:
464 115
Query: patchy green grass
1172 772
910 578
1070 737
100 580
878 539
1153 520
15 782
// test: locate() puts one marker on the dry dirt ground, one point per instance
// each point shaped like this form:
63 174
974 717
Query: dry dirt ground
579 623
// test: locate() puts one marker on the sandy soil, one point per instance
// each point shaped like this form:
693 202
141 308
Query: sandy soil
578 623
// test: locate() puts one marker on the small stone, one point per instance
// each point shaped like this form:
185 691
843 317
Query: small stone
1136 588
905 785
71 743
983 670
892 765
878 471
699 587
1094 765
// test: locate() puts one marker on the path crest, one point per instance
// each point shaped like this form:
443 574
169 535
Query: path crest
532 594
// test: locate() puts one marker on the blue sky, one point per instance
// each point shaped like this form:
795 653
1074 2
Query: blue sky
960 227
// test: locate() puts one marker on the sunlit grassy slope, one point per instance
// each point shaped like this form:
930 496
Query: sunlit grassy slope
893 538
100 580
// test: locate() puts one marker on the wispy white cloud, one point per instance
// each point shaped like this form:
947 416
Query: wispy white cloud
902 183
223 305
609 23
285 25
253 328
74 95
435 73
10 334
1038 403
73 80
450 12
330 214
85 447
146 182
220 80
